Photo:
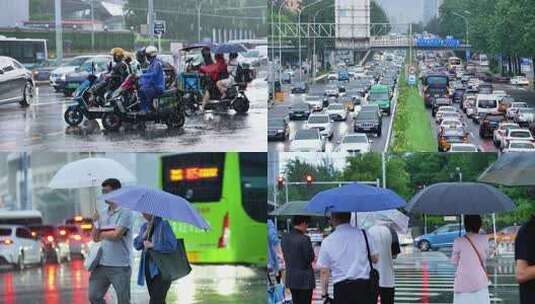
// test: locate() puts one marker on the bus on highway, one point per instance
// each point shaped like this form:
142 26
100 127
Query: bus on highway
27 51
22 217
230 191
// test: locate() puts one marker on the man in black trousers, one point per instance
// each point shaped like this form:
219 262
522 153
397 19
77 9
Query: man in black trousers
298 257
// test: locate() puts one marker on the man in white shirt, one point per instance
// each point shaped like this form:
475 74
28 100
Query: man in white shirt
343 255
382 237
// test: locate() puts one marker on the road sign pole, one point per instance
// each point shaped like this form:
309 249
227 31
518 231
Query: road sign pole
159 42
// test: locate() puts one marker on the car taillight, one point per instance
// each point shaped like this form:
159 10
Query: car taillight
225 232
62 232
7 242
77 237
50 238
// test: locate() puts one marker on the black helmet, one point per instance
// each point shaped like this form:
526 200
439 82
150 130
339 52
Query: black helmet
140 55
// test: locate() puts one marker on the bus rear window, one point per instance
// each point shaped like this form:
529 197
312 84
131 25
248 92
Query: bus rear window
253 171
197 177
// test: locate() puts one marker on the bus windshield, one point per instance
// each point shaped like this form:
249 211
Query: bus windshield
378 96
437 80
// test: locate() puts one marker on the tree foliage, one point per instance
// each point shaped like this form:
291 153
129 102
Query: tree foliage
499 27
406 174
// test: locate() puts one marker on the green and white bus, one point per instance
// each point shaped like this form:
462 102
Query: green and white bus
230 191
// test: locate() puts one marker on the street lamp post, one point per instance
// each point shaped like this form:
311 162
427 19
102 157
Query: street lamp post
465 22
280 41
299 36
59 31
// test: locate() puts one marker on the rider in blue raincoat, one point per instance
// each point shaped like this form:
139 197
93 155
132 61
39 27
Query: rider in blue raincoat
152 81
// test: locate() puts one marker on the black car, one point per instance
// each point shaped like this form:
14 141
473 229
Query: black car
458 95
278 129
368 121
300 88
489 123
299 110
16 83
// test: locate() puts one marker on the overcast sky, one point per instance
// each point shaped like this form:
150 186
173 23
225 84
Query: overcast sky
403 11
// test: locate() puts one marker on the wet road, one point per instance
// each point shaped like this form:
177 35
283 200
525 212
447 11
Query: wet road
67 283
427 277
341 128
486 144
41 128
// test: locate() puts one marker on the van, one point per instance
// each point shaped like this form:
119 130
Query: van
485 103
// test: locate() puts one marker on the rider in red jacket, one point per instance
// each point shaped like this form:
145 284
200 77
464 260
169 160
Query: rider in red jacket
214 71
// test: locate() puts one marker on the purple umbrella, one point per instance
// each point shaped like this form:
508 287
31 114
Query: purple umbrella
158 203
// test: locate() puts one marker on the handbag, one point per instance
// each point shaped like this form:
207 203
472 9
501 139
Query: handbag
92 259
172 265
374 274
478 257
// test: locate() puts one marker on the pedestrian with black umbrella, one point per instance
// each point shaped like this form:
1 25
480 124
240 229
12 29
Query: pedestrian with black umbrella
469 252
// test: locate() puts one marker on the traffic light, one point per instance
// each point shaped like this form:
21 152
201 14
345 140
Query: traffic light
280 182
309 179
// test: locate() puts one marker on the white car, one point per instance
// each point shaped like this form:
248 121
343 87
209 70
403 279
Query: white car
331 93
485 103
462 147
18 247
451 124
315 103
332 76
337 111
449 115
519 146
322 122
308 141
516 135
442 110
519 81
513 109
499 93
500 131
525 116
355 142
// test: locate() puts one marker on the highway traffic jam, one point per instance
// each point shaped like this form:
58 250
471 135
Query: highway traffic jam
348 109
471 110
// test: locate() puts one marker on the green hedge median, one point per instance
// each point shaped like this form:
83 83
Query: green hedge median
412 128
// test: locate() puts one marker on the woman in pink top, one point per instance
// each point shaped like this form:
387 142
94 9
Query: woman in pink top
469 255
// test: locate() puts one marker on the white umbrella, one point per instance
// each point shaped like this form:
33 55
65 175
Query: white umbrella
400 222
89 172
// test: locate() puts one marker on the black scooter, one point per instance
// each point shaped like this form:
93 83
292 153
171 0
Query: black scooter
166 110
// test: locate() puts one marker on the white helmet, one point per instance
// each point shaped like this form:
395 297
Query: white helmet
151 50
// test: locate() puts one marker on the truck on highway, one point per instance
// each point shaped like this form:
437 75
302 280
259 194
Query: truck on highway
435 86
379 95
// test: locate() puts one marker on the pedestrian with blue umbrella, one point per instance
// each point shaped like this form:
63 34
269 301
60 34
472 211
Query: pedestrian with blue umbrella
163 259
348 253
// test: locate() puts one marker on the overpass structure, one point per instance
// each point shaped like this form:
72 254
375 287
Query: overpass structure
379 37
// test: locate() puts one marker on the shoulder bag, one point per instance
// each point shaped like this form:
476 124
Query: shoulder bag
478 257
172 265
374 274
